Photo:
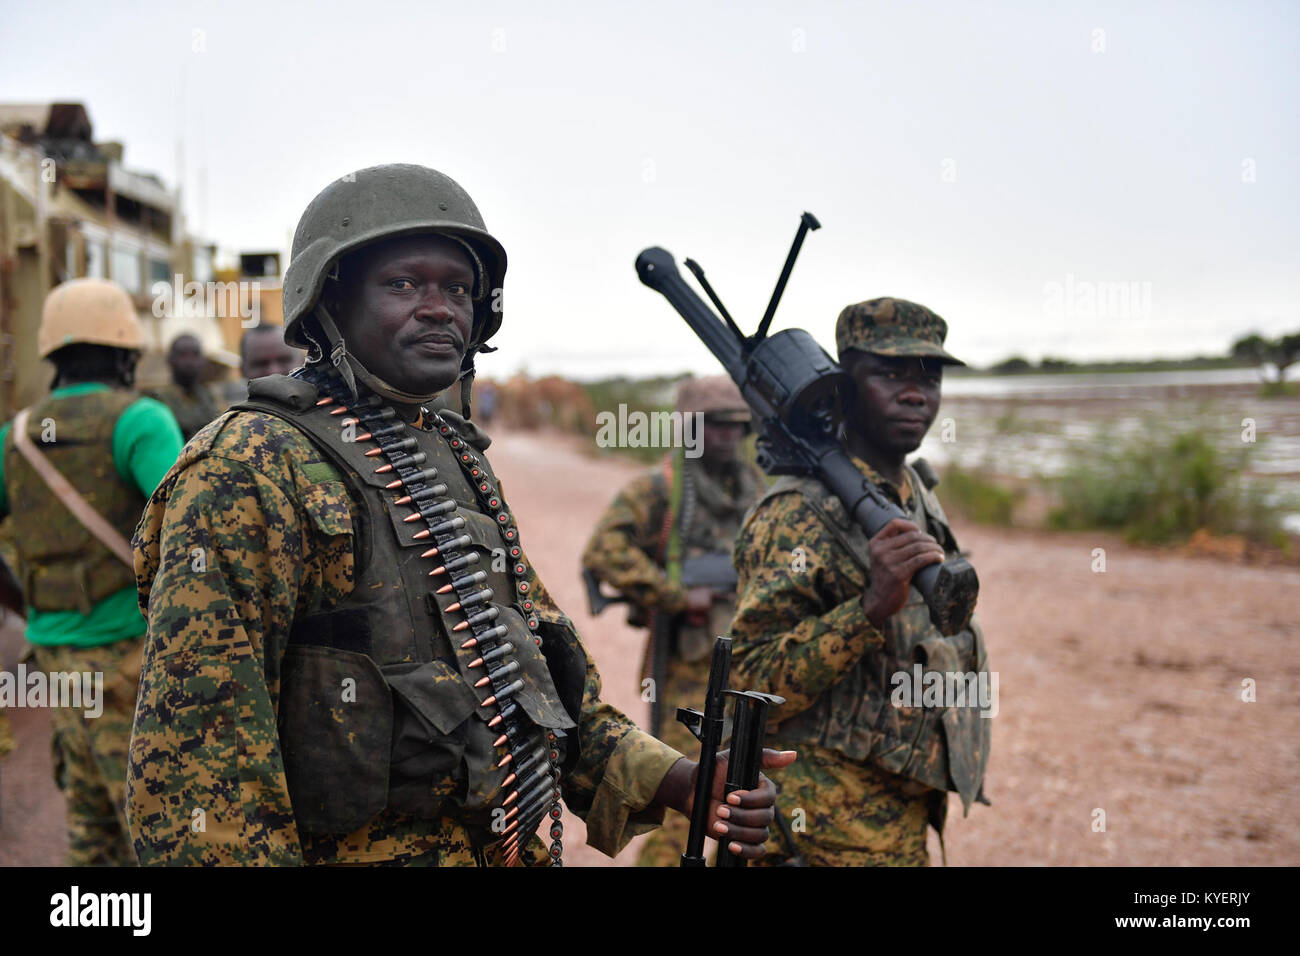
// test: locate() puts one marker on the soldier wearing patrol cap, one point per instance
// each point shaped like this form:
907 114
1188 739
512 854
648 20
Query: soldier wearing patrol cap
74 476
828 619
365 667
665 544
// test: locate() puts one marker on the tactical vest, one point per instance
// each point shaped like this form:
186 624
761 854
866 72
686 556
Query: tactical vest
694 533
433 688
941 747
62 566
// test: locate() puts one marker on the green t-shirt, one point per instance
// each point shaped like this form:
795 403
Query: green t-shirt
146 443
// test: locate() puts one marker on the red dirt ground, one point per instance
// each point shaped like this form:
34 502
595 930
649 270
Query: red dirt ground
1120 691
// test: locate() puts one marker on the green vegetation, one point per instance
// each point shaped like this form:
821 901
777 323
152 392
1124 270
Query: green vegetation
1279 389
1281 352
978 497
1160 486
1017 365
1251 350
646 395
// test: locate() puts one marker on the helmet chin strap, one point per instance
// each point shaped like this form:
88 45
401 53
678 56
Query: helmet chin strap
353 371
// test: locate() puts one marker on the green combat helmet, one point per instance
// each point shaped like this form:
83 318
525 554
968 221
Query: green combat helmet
384 202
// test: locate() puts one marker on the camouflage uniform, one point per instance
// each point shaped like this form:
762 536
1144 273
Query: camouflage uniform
7 741
193 408
279 531
870 774
629 551
73 585
90 760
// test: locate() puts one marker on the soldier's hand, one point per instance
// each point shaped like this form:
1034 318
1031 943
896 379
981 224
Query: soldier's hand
741 819
897 552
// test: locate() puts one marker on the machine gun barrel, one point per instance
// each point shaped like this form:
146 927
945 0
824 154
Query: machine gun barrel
792 387
657 269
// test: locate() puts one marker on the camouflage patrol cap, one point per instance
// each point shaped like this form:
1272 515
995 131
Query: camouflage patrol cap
716 396
892 327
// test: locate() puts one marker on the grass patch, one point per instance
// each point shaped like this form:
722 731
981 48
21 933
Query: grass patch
978 497
1161 486
1279 389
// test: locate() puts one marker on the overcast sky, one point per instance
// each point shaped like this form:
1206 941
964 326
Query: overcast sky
1027 170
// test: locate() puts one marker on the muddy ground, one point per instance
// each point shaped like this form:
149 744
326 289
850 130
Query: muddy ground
1120 691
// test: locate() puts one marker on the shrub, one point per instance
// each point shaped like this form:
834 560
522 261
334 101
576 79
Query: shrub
1163 490
978 497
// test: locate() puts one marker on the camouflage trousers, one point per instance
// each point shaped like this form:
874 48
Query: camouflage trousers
845 813
685 686
7 741
94 750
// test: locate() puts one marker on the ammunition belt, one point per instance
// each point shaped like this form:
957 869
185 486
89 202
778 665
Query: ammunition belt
532 788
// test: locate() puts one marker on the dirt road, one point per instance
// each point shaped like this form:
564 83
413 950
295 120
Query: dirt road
1121 692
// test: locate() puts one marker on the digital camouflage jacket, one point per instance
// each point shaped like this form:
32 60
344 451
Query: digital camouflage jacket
250 532
800 632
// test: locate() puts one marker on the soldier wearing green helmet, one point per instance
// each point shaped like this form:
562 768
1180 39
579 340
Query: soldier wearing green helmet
828 619
350 658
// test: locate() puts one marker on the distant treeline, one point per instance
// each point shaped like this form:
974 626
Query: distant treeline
1051 366
1248 352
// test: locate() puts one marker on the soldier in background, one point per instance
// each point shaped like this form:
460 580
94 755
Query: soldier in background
665 544
826 618
262 351
191 402
74 563
11 601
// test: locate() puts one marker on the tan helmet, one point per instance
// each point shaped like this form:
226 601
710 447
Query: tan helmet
92 311
716 396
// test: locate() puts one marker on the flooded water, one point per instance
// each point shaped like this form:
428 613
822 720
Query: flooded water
1025 425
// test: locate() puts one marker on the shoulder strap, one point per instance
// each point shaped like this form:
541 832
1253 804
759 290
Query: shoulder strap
935 517
670 536
813 492
81 510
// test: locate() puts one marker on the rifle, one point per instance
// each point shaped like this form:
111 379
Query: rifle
713 571
749 722
792 387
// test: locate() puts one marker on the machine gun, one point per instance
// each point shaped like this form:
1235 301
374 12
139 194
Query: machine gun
792 386
749 722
